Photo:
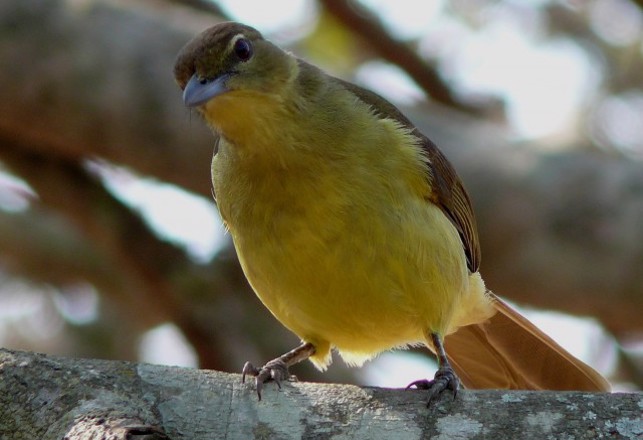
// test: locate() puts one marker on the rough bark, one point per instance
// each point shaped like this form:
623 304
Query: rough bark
50 398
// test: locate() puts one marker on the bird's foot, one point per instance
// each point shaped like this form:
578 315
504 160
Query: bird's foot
444 379
275 370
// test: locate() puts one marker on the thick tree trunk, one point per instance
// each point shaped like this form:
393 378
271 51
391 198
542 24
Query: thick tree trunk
51 398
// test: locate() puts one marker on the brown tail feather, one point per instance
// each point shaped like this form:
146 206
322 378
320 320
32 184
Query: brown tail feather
508 351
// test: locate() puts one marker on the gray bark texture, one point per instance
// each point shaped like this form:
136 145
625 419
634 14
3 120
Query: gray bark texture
54 398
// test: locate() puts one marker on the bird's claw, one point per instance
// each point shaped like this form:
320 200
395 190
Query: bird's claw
444 379
275 370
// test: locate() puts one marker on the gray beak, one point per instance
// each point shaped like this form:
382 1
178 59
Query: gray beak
198 91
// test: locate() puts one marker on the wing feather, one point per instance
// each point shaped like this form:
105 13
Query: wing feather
448 192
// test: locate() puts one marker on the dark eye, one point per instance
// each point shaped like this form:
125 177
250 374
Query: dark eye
243 49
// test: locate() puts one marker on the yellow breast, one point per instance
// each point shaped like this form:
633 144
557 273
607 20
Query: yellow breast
337 238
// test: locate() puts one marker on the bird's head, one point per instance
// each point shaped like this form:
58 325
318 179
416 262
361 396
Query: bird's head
231 57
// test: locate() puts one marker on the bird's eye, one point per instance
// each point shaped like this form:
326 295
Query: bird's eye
243 49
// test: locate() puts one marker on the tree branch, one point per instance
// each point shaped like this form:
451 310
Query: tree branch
367 25
204 6
639 3
52 398
146 264
101 84
42 247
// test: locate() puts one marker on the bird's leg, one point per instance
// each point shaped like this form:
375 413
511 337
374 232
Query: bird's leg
444 379
277 369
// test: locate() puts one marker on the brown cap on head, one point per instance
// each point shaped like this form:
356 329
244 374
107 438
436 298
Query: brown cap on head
203 54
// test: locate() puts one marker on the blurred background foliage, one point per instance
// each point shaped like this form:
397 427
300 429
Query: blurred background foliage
110 245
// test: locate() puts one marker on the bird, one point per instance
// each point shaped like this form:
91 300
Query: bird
351 226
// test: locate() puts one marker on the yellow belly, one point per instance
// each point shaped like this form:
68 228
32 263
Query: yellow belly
346 252
373 287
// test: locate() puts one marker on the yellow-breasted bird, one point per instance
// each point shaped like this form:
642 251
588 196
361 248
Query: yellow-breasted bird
351 226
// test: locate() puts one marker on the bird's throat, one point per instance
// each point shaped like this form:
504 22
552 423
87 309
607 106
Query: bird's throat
248 120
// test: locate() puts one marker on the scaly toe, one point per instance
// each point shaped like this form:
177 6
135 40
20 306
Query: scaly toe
275 370
445 379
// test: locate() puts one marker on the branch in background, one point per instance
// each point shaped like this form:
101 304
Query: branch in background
102 86
41 247
625 69
367 25
145 263
639 3
203 5
50 398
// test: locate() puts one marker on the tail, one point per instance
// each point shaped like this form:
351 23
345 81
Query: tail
508 351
